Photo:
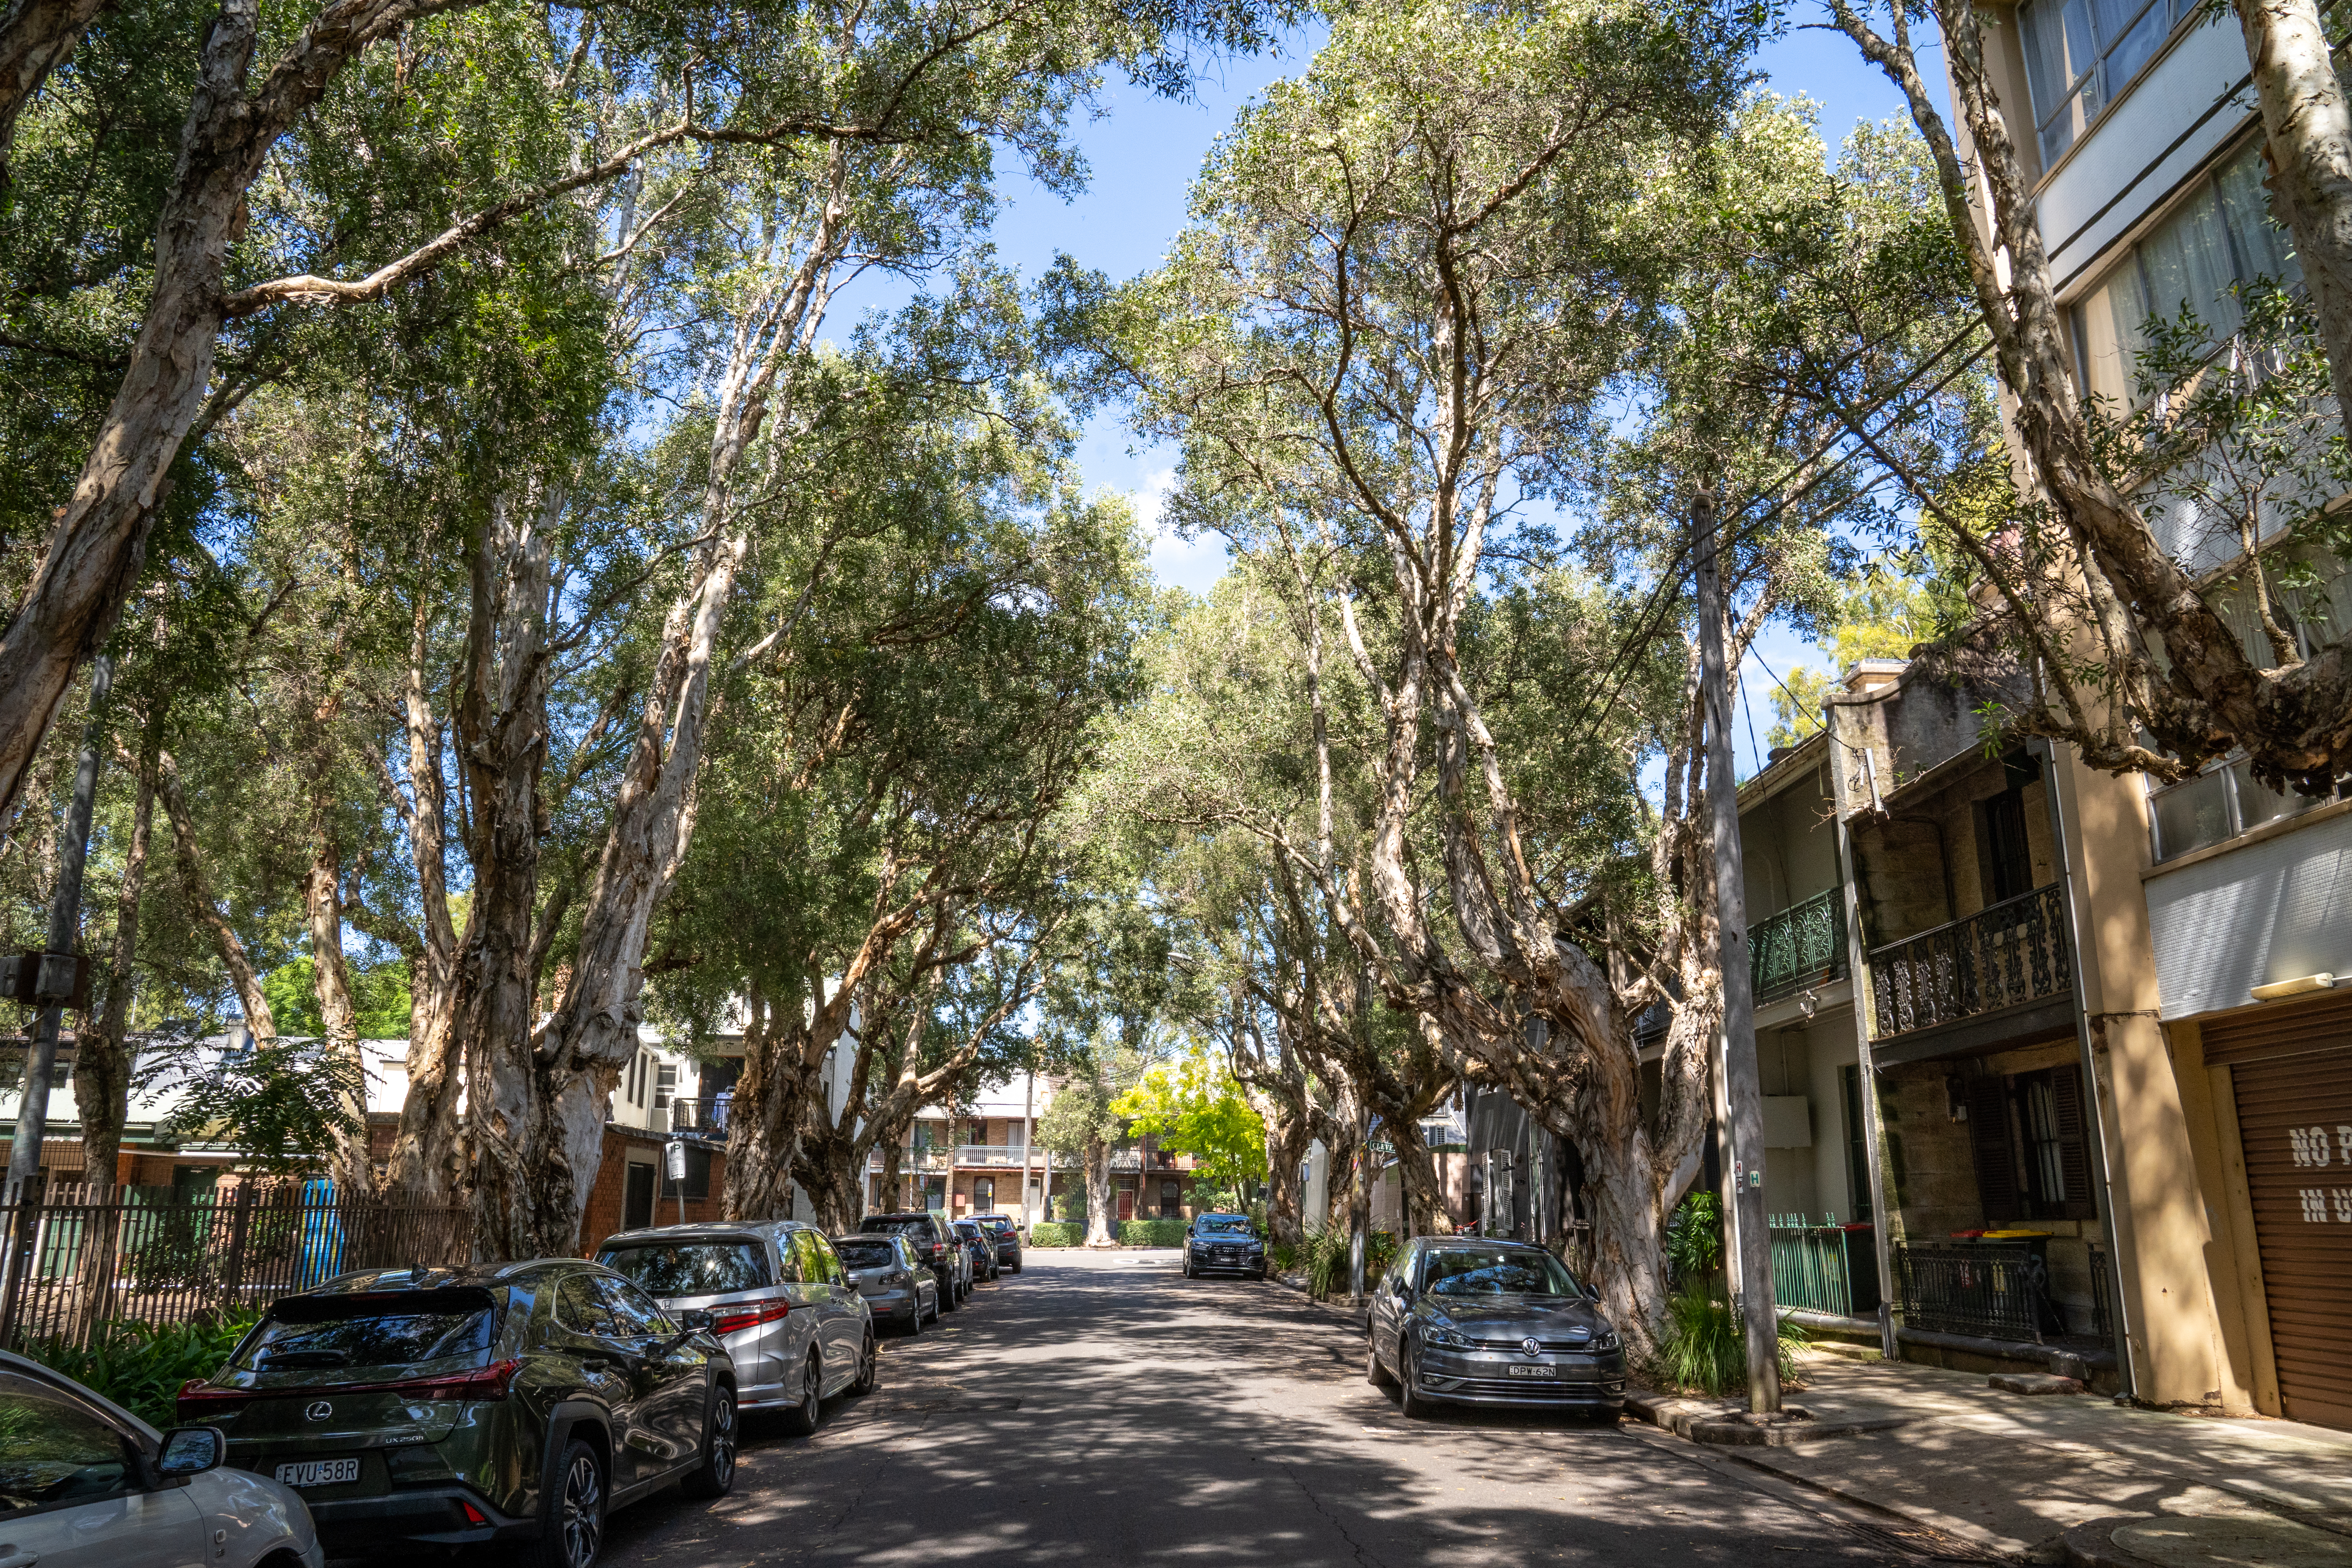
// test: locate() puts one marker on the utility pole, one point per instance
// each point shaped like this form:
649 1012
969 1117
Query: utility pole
1742 1091
54 986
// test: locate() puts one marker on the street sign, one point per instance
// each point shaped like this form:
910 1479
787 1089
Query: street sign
674 1153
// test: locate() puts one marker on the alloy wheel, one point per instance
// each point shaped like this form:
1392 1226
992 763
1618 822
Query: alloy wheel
720 1442
583 1511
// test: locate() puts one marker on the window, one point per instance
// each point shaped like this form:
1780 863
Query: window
2031 1146
1172 1197
2007 858
580 1306
635 1315
698 1174
2080 54
2218 803
664 1085
983 1192
691 1268
58 1452
2220 235
311 1333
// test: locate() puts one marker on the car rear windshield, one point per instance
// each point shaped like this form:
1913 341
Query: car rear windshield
1211 1224
859 1254
917 1230
316 1332
691 1268
1498 1271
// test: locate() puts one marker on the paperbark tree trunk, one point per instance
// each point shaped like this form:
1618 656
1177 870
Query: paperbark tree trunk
351 1165
36 37
2309 130
200 899
1096 1161
102 1062
425 1149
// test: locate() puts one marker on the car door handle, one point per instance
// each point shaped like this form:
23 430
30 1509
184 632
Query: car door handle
16 1559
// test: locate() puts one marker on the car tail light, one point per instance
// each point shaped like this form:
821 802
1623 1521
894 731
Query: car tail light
199 1398
729 1321
473 1514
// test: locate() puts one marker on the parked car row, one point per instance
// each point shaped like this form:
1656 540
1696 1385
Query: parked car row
417 1409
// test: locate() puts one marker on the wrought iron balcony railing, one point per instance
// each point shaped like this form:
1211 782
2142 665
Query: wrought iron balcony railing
1801 947
2013 952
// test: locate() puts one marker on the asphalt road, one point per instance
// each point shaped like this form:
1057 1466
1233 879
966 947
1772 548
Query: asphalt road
1104 1409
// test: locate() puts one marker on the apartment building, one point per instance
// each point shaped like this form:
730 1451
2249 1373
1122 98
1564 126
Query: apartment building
2213 915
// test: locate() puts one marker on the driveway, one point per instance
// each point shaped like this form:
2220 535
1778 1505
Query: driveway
1104 1409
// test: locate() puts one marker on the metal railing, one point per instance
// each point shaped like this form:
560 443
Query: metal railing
1983 1288
2015 951
992 1156
1801 947
1824 1267
697 1116
911 1160
94 1255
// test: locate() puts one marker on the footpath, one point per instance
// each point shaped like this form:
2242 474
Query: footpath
2048 1478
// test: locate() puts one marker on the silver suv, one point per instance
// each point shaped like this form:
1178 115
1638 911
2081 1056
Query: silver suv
936 1244
778 1298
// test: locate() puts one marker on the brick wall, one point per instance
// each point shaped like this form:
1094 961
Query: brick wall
605 1213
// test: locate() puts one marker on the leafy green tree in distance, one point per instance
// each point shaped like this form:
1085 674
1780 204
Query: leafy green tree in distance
1193 1106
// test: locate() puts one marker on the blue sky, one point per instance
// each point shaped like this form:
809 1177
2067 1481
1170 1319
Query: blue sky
1144 153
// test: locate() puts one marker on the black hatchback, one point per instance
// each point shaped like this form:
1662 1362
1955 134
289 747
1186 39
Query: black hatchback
518 1402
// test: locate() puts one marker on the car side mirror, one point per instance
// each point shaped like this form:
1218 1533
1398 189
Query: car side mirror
190 1451
693 1317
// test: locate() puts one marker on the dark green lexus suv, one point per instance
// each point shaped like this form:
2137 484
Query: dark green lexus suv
516 1401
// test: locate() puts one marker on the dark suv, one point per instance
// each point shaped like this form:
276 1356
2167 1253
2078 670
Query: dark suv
936 1247
1224 1244
516 1401
1006 1233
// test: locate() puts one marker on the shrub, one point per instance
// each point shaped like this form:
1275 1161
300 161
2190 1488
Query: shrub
1151 1233
1049 1234
140 1367
1283 1255
1704 1347
1694 1240
1326 1256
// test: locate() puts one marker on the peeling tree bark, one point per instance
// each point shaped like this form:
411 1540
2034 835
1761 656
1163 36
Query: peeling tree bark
425 1149
36 37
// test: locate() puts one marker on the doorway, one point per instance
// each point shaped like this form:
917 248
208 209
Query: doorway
1126 1200
637 1198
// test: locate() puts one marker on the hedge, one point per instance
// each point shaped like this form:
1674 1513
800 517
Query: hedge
1151 1233
140 1367
1051 1233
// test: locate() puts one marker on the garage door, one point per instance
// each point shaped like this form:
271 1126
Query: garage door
2294 1118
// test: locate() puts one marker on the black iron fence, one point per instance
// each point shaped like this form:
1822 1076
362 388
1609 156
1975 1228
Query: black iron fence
2102 1321
1993 1291
2012 952
1801 946
87 1256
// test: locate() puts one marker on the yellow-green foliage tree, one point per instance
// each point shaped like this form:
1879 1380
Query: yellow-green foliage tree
1195 1107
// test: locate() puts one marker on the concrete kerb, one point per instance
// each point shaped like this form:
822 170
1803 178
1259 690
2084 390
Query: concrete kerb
1723 1424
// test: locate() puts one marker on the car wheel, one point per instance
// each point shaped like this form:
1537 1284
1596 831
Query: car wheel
948 1299
572 1519
714 1477
1410 1404
801 1419
915 1316
1374 1372
1016 1266
869 1368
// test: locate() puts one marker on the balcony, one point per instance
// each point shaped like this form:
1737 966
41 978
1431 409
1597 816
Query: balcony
1801 947
2002 960
911 1160
692 1118
992 1156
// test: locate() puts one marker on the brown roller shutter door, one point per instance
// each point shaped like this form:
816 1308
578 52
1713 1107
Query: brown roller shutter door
2294 1116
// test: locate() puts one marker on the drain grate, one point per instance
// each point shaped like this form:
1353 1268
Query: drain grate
1919 1541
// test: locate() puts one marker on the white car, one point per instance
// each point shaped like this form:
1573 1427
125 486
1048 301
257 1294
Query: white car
86 1484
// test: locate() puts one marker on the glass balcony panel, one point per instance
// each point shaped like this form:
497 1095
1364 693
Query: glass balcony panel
2192 815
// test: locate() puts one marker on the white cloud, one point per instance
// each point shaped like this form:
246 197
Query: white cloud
1194 565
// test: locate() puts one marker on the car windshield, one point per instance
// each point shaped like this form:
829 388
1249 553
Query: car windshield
311 1332
1498 1271
691 1268
865 1252
1222 1225
902 1226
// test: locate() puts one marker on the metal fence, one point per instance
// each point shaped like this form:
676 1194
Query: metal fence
1824 1267
1994 1291
2012 952
87 1256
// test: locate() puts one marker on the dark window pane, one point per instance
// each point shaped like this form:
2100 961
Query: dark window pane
1464 1271
691 1268
580 1307
309 1335
54 1451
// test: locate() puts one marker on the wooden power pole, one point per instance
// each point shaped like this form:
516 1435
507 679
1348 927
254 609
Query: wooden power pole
1743 1093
